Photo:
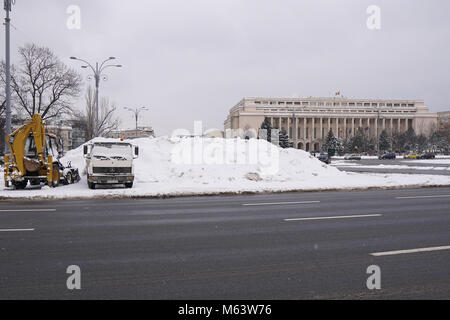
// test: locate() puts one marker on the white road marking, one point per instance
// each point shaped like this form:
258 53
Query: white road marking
335 217
278 203
390 253
15 230
27 210
424 197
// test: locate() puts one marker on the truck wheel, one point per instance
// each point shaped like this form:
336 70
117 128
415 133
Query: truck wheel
91 185
129 185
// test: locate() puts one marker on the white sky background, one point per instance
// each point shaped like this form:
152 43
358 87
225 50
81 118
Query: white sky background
194 59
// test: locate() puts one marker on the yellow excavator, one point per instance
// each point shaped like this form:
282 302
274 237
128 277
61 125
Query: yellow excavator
34 157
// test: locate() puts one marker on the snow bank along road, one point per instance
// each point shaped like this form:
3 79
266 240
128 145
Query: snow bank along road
194 166
278 246
399 166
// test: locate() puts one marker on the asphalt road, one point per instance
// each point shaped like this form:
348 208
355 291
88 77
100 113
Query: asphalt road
239 247
416 167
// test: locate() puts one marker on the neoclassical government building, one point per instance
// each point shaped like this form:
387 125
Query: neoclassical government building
308 120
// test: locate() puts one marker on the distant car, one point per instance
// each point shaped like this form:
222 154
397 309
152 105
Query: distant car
412 156
427 155
388 156
324 158
352 156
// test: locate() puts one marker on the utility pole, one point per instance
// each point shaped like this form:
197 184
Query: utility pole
7 7
136 112
97 76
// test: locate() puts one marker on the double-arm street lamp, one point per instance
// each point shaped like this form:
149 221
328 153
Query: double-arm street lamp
97 76
136 112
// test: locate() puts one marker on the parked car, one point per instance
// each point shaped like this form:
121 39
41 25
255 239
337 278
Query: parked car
427 155
387 156
324 158
412 156
352 156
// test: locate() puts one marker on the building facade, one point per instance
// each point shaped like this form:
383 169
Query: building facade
141 132
443 119
308 120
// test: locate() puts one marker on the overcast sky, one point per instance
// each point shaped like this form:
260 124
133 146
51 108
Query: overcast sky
194 59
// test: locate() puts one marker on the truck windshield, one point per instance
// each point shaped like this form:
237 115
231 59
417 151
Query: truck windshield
112 151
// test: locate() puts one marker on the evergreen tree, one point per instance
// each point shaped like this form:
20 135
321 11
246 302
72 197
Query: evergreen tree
266 132
384 142
283 139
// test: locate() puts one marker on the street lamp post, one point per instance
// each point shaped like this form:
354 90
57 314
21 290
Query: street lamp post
7 6
97 76
136 112
378 131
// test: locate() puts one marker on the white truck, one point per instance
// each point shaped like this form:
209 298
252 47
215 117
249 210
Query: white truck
110 162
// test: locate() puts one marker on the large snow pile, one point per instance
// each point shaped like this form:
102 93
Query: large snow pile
188 166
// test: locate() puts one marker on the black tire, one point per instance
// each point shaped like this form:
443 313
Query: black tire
56 174
129 185
69 178
20 185
91 185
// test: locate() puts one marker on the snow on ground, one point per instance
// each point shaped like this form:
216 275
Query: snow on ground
194 166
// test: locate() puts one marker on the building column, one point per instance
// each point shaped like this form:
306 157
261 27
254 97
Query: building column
337 128
304 130
345 128
287 126
406 124
398 125
296 130
321 128
329 125
353 127
376 127
384 123
312 130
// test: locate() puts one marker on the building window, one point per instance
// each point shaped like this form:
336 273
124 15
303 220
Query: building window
389 104
344 104
411 105
305 103
351 104
366 104
374 104
336 103
297 103
299 132
320 104
313 103
382 104
359 104
403 104
258 102
396 105
307 133
315 133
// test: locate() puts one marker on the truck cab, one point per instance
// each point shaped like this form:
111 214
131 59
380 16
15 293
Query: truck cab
110 163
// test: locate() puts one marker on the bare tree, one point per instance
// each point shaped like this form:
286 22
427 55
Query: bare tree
42 84
107 118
